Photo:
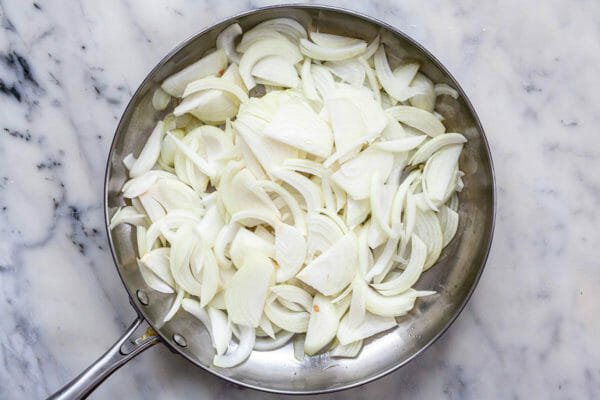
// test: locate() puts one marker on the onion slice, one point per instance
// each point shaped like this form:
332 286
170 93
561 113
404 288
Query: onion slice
325 53
241 352
333 270
322 325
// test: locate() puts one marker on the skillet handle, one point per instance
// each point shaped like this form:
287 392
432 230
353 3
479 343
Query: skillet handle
118 354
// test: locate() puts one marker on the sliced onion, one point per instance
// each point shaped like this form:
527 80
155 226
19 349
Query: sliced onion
401 145
286 26
276 71
339 53
310 192
291 202
371 325
226 41
358 305
220 328
355 175
150 152
210 82
440 172
225 236
241 352
296 124
350 71
157 261
349 350
198 161
346 121
422 120
333 270
411 274
280 340
127 215
246 292
384 259
210 278
248 243
290 251
427 227
294 294
193 307
322 325
264 48
269 153
396 85
308 86
449 223
206 66
330 40
371 48
323 80
291 321
160 99
175 305
322 234
436 143
426 99
444 89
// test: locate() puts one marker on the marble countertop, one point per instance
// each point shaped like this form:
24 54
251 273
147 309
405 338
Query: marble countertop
67 70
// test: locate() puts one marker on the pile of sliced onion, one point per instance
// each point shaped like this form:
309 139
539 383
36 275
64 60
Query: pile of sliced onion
307 213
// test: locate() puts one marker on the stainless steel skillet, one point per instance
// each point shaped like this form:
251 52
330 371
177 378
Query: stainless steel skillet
454 278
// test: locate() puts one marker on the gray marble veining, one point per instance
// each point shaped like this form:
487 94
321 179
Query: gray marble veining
67 70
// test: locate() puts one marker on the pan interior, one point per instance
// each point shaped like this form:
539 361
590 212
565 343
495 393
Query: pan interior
453 278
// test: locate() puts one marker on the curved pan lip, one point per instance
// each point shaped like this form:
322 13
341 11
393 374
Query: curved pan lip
406 37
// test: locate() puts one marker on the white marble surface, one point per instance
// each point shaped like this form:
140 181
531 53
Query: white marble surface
531 329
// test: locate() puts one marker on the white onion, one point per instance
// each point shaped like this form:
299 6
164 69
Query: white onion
299 220
206 66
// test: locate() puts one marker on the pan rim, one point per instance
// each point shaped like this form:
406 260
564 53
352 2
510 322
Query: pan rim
477 122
